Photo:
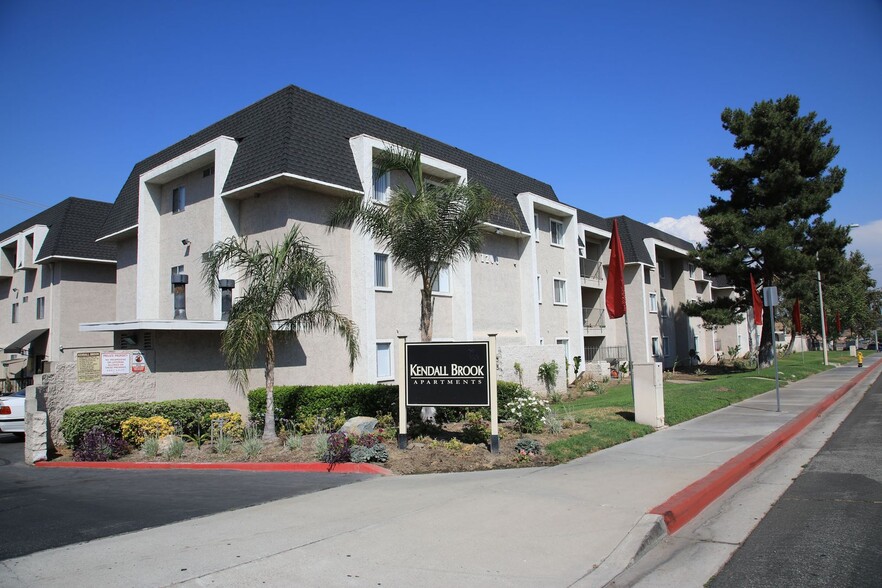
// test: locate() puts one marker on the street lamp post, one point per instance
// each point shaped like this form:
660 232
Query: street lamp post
823 316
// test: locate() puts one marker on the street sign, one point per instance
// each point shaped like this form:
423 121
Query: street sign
770 296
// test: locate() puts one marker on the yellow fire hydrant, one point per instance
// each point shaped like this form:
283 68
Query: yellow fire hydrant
860 358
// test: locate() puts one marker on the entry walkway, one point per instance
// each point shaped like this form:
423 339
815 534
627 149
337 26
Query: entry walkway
578 523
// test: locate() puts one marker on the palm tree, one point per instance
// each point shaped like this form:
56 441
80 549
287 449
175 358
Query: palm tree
425 226
289 289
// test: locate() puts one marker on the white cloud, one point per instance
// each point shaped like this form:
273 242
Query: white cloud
868 239
687 227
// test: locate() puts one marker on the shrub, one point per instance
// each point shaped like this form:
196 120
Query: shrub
175 449
190 414
300 402
547 374
320 446
150 447
294 442
230 424
338 448
528 447
252 444
476 430
136 430
361 454
529 414
506 394
100 445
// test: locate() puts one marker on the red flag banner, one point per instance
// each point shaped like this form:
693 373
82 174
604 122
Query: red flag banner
797 319
838 323
615 287
757 303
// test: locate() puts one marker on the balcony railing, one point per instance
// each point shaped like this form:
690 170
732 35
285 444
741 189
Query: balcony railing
593 318
613 354
590 269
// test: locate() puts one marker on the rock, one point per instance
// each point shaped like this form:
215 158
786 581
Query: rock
165 443
359 425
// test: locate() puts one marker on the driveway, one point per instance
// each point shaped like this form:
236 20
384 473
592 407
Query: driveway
45 508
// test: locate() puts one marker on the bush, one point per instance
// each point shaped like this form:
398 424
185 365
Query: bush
376 453
136 430
528 447
298 403
100 445
338 448
476 429
232 424
529 414
191 414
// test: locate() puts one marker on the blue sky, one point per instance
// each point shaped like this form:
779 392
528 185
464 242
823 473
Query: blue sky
615 104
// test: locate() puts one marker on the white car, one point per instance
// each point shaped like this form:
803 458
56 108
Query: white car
12 413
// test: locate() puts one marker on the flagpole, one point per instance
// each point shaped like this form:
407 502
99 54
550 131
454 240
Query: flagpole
630 363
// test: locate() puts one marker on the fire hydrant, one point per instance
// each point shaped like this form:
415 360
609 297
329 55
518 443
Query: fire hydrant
860 358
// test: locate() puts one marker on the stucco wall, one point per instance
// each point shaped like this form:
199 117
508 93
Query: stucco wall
86 292
495 292
126 278
530 357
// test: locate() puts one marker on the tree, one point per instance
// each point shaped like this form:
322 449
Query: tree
772 222
289 289
425 226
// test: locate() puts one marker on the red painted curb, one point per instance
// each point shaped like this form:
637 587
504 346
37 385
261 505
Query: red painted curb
339 468
683 506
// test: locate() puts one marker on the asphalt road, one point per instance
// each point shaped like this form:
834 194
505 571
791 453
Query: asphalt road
826 529
46 508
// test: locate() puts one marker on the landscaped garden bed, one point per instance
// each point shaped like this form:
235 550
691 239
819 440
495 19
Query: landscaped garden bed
593 416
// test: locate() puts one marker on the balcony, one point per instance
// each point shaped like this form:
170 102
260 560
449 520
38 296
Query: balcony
593 321
591 273
613 354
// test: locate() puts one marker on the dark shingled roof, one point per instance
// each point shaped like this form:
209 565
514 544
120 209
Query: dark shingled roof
73 227
298 132
632 233
586 218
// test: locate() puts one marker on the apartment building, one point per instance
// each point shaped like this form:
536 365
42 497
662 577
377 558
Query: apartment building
54 276
538 282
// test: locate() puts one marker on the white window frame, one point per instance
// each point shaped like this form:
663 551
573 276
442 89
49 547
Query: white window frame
691 268
656 347
653 302
380 185
536 226
560 290
15 316
557 237
441 286
539 289
385 377
661 268
179 199
41 308
387 286
566 345
666 346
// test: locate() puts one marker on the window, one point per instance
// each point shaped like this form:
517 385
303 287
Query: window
441 284
381 186
661 268
656 349
691 268
179 199
696 343
666 346
653 302
664 306
15 312
209 171
560 291
384 361
41 308
536 226
381 271
557 232
539 289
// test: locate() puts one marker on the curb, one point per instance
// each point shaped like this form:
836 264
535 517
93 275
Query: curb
340 468
686 504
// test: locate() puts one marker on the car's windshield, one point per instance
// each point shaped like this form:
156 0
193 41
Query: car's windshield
19 394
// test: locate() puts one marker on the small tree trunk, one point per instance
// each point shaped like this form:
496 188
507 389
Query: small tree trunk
426 311
791 343
269 420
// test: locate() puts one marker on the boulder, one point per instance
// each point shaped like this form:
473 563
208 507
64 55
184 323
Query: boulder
359 425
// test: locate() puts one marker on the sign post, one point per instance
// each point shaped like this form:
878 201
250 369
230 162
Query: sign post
447 374
770 297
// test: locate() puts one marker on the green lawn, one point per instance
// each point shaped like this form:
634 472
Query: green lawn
610 414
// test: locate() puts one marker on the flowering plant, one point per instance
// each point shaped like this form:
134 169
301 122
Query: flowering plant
528 413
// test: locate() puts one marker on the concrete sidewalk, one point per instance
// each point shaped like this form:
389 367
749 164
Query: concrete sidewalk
578 523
